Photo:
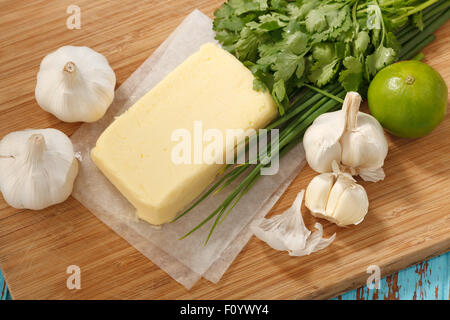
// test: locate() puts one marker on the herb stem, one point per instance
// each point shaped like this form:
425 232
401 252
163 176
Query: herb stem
415 10
329 95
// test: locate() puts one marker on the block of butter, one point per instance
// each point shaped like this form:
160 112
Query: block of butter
135 151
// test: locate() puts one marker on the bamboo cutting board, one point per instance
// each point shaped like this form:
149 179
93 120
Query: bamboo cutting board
408 221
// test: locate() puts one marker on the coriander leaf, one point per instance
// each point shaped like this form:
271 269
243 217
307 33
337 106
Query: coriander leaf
323 52
341 49
296 42
258 85
268 60
352 77
361 43
247 46
232 24
306 7
286 64
322 74
380 58
270 22
334 14
225 11
243 6
315 21
279 90
278 5
279 95
300 67
294 11
226 37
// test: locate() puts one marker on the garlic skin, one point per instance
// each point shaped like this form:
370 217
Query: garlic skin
287 232
75 84
337 197
37 168
352 138
321 141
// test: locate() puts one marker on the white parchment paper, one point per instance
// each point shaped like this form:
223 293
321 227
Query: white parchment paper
184 260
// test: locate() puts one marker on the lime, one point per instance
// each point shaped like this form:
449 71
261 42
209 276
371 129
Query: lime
408 98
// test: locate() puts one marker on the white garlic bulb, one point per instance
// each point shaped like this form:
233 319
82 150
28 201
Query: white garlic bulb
37 168
337 197
352 138
75 84
287 231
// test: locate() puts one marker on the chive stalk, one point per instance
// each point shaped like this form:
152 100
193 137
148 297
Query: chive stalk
307 106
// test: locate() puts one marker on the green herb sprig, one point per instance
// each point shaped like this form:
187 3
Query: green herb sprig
308 54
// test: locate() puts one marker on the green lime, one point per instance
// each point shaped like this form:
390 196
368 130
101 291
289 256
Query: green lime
408 98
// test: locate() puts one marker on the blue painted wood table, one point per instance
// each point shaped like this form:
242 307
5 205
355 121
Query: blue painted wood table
429 280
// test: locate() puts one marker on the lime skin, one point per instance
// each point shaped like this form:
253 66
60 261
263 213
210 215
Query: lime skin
408 98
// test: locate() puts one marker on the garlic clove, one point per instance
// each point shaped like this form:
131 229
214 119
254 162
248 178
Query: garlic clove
287 231
321 141
365 146
346 201
37 168
352 206
318 192
342 183
75 84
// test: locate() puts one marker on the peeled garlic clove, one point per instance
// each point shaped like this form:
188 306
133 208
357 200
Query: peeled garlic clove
321 141
352 206
343 182
287 231
318 191
75 84
37 168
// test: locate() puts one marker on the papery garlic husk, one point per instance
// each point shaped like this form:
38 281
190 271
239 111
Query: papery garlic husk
337 197
37 168
352 138
75 84
287 231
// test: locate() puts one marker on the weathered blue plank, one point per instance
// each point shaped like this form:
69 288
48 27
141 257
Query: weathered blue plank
4 294
429 280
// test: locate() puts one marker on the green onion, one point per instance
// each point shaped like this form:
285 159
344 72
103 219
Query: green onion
309 102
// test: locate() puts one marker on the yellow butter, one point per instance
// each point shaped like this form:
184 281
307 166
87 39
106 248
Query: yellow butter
134 152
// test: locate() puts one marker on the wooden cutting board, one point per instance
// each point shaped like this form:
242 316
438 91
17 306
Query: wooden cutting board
408 221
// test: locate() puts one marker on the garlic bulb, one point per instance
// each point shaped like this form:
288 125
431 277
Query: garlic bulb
287 232
37 168
75 84
352 138
337 197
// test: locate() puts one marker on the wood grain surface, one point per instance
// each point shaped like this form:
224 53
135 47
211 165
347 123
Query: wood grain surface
408 221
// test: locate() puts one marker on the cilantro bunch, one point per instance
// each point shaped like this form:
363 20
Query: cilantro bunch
308 53
287 44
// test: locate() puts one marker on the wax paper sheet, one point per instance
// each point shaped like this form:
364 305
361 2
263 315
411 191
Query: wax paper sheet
184 260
